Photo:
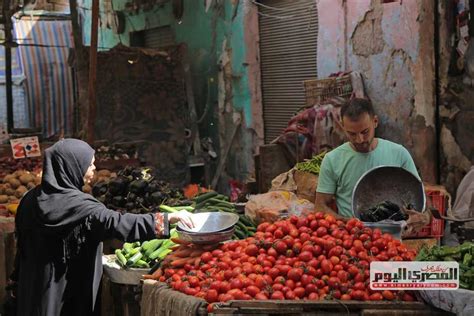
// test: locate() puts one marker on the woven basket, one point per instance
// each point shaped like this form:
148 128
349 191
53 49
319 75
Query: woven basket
319 90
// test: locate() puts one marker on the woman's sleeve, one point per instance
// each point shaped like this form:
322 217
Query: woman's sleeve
130 227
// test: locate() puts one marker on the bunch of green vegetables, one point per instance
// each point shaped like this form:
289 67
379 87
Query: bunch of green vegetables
463 254
146 254
136 190
213 202
312 165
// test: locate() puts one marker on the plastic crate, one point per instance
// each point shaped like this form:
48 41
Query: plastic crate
438 200
320 90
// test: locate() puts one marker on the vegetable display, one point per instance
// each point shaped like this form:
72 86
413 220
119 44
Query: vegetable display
312 165
146 254
213 202
135 190
9 165
382 211
16 184
463 254
314 257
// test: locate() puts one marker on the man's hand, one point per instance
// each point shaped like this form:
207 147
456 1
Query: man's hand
322 203
416 221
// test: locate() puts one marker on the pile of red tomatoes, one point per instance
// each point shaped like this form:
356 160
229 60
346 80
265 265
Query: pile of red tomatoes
314 257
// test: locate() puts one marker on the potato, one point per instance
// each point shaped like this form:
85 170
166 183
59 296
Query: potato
7 178
15 183
20 191
17 174
103 173
2 188
9 191
87 188
26 178
3 199
13 199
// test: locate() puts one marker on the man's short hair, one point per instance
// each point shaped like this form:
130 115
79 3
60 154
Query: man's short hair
354 108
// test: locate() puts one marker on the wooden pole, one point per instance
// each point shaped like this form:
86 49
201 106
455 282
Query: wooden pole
93 72
8 63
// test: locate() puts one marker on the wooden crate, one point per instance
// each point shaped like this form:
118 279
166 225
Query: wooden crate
273 307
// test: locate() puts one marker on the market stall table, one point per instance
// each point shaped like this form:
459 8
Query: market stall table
7 252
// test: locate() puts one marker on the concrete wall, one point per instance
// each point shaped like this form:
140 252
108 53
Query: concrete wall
221 37
392 46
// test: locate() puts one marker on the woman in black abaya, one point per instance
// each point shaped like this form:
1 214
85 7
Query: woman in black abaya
60 231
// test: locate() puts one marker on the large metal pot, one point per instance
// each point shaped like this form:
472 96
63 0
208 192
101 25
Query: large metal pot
387 183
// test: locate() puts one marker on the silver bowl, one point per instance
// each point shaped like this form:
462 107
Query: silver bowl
383 183
210 222
205 238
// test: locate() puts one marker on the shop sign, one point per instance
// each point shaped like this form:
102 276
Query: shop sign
25 147
414 275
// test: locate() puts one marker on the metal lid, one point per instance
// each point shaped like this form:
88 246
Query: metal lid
391 183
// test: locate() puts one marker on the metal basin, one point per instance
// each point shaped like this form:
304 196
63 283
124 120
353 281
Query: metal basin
387 183
205 238
210 222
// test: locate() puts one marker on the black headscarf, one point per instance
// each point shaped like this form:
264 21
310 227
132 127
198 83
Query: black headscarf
61 200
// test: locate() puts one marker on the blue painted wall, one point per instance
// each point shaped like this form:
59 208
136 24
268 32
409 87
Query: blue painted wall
204 31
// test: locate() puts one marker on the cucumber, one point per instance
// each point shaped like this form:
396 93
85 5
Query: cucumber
134 259
142 264
152 246
241 226
120 258
251 229
166 209
245 220
127 247
240 234
201 198
220 202
135 250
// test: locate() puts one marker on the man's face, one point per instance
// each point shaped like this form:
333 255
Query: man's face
360 132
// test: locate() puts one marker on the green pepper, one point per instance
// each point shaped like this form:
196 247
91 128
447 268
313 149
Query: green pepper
466 247
464 285
446 251
467 259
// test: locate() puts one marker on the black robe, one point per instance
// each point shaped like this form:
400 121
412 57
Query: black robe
60 232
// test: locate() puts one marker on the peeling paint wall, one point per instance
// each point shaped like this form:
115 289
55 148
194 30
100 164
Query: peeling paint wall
222 41
392 46
456 106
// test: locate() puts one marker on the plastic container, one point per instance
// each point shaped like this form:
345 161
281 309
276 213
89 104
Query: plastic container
394 229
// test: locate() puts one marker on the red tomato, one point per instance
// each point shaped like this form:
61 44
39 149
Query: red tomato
326 266
252 290
277 295
290 295
261 296
236 284
295 274
321 231
313 296
278 233
345 297
376 297
211 296
334 283
281 247
305 256
299 292
388 295
252 250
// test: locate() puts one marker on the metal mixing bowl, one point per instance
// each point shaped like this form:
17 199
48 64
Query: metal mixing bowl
205 238
211 222
387 183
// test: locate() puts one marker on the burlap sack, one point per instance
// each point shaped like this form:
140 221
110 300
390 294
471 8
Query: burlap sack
306 184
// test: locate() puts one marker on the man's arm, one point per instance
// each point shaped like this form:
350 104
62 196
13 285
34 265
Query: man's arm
323 202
